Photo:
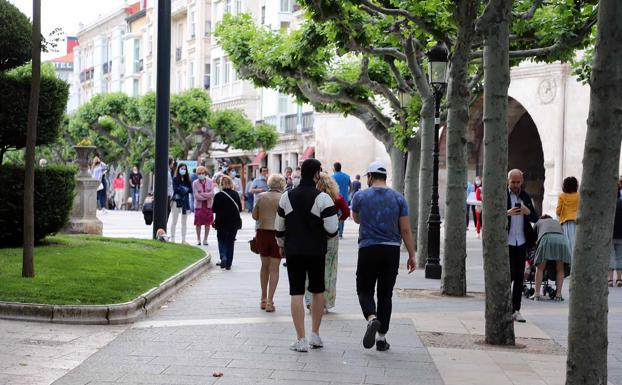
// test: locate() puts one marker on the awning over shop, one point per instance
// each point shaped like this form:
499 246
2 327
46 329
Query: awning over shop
258 158
309 152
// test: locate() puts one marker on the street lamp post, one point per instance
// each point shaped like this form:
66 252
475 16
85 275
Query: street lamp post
163 90
437 71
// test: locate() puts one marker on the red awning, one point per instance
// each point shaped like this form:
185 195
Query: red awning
309 152
258 158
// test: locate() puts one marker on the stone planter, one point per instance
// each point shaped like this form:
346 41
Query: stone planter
83 216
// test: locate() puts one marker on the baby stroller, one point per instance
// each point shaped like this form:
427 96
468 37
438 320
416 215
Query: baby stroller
549 274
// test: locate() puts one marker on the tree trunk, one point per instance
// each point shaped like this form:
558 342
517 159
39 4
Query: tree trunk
398 168
28 265
494 24
425 178
411 184
454 271
587 327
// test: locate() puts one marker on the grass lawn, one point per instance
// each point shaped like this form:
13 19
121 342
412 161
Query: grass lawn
91 270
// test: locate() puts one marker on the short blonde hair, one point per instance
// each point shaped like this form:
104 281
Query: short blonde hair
201 170
276 182
328 185
226 182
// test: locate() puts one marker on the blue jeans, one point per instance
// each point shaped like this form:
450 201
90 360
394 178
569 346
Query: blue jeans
101 198
341 224
226 243
135 198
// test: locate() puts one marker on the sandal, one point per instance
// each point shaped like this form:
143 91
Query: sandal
263 304
618 282
610 283
270 307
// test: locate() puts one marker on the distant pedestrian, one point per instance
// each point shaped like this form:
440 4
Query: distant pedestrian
470 203
193 177
98 172
345 186
172 166
383 217
296 177
227 207
181 202
615 260
356 186
250 198
552 246
203 190
329 186
521 235
136 181
43 163
478 206
306 219
260 184
119 189
567 208
237 183
264 213
289 181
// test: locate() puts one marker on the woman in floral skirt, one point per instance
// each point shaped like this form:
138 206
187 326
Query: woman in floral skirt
328 185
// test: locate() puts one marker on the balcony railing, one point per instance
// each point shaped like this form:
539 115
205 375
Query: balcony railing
288 124
178 54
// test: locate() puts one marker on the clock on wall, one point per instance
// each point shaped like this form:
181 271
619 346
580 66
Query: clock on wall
547 90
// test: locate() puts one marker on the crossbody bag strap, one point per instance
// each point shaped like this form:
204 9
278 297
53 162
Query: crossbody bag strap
232 200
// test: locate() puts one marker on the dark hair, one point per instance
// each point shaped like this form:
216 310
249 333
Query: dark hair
337 166
138 168
289 169
378 176
194 170
545 216
183 178
357 176
570 185
119 174
309 168
262 168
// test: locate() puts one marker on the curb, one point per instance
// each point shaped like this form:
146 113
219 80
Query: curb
112 314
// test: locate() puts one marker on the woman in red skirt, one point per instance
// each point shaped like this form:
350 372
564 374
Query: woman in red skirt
203 190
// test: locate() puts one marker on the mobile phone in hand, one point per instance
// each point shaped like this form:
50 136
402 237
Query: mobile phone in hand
517 205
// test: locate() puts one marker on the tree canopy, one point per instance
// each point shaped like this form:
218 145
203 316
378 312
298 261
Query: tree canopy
15 42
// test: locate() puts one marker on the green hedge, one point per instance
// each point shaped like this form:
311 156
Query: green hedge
14 98
54 193
15 36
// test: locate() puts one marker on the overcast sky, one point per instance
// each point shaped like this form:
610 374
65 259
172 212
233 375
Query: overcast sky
67 14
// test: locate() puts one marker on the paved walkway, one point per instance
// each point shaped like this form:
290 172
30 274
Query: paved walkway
215 325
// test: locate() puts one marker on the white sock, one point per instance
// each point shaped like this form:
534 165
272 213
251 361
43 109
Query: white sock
371 317
381 337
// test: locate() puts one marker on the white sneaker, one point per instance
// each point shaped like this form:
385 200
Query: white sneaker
477 236
300 345
518 317
315 341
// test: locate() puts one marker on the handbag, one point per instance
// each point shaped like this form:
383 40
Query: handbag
253 245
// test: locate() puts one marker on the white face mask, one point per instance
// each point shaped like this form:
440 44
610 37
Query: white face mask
182 171
202 177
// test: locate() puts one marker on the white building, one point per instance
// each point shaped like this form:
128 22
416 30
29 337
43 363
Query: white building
303 132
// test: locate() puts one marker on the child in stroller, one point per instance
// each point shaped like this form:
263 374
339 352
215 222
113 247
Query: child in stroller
550 260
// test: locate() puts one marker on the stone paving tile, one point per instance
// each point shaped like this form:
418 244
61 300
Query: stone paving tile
168 379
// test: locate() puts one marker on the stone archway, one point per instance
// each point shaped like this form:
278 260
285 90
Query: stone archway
525 150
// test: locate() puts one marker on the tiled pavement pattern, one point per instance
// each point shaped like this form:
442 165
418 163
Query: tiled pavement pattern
215 325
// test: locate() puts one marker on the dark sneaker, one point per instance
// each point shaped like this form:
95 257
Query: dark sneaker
382 345
370 334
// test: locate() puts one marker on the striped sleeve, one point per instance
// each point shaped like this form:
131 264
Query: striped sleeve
279 221
325 207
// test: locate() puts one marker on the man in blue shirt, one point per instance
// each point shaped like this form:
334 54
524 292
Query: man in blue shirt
383 217
345 186
260 184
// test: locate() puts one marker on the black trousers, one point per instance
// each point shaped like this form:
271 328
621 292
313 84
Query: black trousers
518 255
377 264
472 208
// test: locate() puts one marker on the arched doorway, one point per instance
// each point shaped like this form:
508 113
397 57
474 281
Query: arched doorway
524 147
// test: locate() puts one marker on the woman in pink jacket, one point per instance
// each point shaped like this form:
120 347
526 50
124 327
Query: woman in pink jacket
203 190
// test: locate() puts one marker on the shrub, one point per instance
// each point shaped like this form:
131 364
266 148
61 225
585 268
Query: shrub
15 36
54 193
14 100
